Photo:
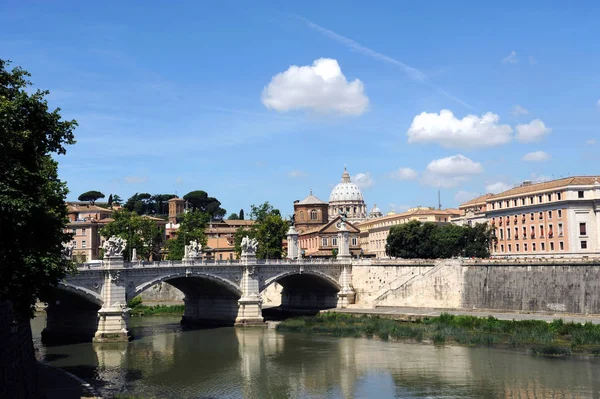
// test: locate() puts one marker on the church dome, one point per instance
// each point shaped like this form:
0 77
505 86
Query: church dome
375 212
345 190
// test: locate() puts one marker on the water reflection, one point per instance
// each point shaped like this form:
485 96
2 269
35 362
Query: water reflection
168 362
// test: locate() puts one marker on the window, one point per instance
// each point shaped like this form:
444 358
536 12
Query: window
541 231
558 196
524 232
499 204
540 199
502 234
313 214
74 244
583 244
301 215
560 229
508 234
559 213
501 247
533 246
531 215
532 231
354 241
517 248
509 247
561 245
550 232
549 214
524 247
543 246
74 231
551 246
549 197
82 232
334 241
531 200
541 215
516 233
507 203
493 205
582 229
324 242
580 195
522 201
220 256
515 202
83 244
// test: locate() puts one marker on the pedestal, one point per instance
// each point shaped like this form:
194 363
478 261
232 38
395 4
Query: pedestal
343 244
346 296
292 242
250 312
112 324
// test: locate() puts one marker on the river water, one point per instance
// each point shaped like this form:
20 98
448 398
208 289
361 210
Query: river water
166 361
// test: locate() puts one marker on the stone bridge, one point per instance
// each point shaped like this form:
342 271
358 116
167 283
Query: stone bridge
93 303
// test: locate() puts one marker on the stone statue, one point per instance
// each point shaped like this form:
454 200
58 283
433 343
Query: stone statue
293 220
249 246
114 246
67 251
193 250
342 224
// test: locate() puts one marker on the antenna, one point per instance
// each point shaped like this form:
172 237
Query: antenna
439 200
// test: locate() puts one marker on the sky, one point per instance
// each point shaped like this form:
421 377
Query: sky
266 100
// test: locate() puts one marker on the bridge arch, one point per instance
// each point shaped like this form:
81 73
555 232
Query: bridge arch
332 281
305 291
86 293
220 281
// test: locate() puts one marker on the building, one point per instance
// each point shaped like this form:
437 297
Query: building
375 212
85 222
374 232
472 212
310 212
176 207
554 218
320 241
220 238
347 197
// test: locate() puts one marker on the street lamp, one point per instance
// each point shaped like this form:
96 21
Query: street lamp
268 236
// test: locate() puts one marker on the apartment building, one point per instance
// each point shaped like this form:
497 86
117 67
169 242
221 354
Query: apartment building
554 218
85 222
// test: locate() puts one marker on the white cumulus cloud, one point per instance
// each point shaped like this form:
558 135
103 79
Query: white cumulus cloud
519 110
464 196
450 171
363 180
536 156
404 174
497 187
511 58
469 132
598 104
320 87
532 131
296 174
135 179
590 141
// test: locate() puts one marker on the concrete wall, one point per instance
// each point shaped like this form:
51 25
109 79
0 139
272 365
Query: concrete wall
557 286
18 377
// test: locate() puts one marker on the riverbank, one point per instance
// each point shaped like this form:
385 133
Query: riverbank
157 310
56 383
557 338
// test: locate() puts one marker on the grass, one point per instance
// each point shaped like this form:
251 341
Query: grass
545 339
139 309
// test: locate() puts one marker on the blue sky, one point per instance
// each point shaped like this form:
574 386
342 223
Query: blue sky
412 96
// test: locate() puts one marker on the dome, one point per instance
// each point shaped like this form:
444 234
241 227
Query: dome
346 191
375 212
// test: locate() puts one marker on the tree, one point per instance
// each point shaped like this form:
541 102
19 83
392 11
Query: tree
269 229
91 196
110 200
117 199
33 215
233 216
199 200
241 214
141 233
192 226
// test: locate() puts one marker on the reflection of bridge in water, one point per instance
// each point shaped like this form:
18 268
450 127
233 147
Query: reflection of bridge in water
93 303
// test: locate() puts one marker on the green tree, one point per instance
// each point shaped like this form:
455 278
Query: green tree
33 215
192 226
233 216
269 229
117 199
241 214
141 233
91 196
110 200
199 200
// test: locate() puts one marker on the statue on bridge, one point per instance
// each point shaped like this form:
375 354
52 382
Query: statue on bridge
193 250
114 246
67 251
249 246
342 224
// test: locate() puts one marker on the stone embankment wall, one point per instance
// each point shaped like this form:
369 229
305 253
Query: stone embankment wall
162 293
570 286
18 377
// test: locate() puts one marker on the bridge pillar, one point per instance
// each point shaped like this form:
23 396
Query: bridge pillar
250 304
292 242
346 295
113 315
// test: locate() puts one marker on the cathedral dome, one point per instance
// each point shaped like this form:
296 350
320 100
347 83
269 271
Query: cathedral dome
345 190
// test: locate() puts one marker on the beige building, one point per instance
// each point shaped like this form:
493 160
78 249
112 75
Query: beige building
374 232
320 241
220 234
85 222
472 212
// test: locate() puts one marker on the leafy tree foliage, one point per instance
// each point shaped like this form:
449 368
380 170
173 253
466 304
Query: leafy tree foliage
432 241
199 200
116 199
148 204
110 200
241 214
233 216
33 215
91 196
192 226
270 230
141 233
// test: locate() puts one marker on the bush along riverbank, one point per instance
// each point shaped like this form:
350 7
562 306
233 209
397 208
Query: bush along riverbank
554 339
137 308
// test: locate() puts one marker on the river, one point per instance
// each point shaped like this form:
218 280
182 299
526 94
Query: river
166 361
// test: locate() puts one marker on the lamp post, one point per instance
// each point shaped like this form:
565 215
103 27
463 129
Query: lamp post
268 237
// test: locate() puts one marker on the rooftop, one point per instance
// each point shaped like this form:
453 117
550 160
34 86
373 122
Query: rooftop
311 200
528 187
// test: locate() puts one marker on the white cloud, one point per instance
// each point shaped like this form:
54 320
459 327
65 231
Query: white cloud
135 179
399 208
536 156
320 87
519 110
598 104
363 180
178 180
497 187
296 174
450 171
532 131
590 141
404 174
464 196
511 58
532 61
469 132
540 178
